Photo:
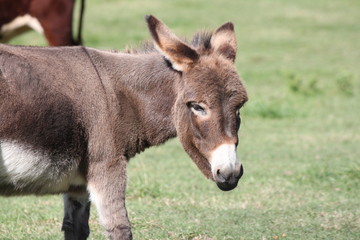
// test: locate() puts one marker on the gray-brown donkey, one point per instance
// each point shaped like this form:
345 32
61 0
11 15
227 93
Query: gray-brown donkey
72 117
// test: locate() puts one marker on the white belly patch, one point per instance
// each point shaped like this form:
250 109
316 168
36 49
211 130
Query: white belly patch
23 167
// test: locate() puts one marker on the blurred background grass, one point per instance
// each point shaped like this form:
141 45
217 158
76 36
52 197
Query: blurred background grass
300 135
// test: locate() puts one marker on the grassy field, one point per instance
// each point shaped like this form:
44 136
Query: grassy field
300 137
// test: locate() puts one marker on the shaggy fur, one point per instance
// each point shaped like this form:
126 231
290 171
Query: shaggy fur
77 115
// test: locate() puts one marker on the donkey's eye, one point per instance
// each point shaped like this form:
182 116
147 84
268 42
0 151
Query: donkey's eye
197 109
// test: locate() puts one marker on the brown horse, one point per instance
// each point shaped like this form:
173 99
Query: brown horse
53 18
72 117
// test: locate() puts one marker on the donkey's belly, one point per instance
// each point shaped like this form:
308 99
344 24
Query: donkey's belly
24 170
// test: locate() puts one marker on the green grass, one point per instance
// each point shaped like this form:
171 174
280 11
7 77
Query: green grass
300 137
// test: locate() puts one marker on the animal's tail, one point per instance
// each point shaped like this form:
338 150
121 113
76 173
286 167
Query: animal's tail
79 40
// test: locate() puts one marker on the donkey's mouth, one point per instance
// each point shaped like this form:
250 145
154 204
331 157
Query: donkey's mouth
231 182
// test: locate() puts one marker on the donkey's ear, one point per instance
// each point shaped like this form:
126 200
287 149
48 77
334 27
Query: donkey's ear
177 52
223 41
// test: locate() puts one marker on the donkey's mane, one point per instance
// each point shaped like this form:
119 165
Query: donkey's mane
200 41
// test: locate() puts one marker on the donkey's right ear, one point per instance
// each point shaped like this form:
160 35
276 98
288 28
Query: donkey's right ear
171 47
223 41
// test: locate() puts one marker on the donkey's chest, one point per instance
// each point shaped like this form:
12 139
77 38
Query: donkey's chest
25 170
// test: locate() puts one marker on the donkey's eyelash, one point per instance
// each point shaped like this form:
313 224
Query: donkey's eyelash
197 108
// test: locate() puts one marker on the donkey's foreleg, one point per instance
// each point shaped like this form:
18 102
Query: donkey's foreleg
76 217
107 184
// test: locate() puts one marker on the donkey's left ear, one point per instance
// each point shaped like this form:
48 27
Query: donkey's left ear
223 41
176 51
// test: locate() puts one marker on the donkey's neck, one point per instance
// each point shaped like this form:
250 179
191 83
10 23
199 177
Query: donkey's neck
145 90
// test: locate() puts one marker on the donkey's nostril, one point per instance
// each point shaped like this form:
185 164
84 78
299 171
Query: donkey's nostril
221 177
227 178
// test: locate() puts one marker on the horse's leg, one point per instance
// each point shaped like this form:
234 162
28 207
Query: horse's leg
16 27
76 217
106 184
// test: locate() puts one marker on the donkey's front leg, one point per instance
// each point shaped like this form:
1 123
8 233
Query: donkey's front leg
76 216
107 184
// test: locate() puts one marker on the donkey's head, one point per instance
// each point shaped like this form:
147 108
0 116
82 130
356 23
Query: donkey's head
209 97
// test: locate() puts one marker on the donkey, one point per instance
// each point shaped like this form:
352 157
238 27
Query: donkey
72 117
